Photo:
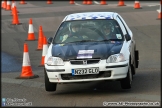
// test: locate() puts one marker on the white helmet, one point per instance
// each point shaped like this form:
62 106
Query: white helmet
107 28
74 27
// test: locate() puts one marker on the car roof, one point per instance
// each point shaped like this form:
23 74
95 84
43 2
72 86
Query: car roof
90 15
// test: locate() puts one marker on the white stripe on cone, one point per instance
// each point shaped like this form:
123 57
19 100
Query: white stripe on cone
8 3
13 4
31 30
136 1
45 48
26 60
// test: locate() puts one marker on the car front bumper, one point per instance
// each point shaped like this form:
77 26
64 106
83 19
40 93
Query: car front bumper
107 71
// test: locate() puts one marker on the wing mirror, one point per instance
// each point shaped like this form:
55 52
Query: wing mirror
50 40
128 38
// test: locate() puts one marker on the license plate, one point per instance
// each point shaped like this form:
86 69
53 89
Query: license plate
84 71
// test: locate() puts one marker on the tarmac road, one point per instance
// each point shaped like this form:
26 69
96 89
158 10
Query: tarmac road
146 29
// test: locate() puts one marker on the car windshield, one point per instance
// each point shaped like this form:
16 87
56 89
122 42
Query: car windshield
88 31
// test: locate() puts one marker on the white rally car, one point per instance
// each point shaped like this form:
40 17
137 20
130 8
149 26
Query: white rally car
91 46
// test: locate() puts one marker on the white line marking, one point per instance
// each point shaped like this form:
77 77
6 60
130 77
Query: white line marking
96 2
77 4
158 11
152 5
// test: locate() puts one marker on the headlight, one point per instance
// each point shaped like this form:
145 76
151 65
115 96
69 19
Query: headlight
116 58
55 61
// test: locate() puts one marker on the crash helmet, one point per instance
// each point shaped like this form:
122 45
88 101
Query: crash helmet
74 27
106 28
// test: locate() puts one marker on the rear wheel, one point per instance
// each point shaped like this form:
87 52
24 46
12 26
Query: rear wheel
127 82
48 85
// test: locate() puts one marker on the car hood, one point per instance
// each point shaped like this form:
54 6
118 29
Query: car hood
101 50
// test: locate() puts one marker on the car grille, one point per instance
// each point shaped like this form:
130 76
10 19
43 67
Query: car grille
102 74
82 62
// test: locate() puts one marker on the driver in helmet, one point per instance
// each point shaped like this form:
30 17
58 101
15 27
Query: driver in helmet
74 29
106 29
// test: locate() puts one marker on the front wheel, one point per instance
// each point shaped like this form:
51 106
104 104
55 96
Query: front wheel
48 85
127 82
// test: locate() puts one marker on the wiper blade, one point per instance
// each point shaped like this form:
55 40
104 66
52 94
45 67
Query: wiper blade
87 40
111 40
82 41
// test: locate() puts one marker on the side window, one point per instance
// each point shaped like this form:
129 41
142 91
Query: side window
121 26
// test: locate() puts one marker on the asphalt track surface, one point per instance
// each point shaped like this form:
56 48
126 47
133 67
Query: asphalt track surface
146 86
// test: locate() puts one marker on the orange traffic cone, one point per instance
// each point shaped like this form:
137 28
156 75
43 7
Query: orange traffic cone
26 72
22 2
84 1
15 20
8 7
31 36
44 52
40 39
5 4
121 3
2 3
89 2
49 1
103 2
71 2
137 5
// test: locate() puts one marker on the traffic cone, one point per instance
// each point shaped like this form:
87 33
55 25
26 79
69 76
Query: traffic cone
103 2
22 2
5 4
121 3
15 20
159 15
8 7
89 2
84 1
44 52
31 36
71 2
137 5
40 39
49 1
2 3
26 72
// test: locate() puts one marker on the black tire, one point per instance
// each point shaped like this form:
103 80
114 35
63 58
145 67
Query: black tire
133 66
48 85
127 82
137 58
